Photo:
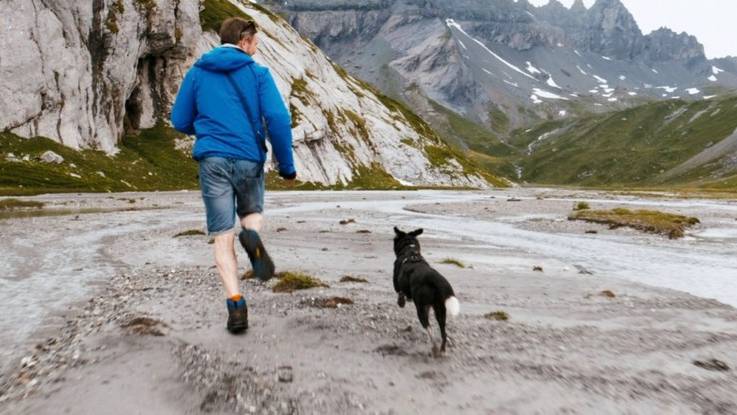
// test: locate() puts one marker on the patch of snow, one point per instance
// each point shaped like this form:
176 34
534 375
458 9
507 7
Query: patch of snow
632 94
668 89
574 95
545 94
600 79
606 89
535 99
462 45
452 23
560 45
528 12
712 78
622 77
693 91
606 58
596 104
648 86
612 100
487 71
576 52
562 113
552 83
581 70
654 71
710 97
514 84
594 91
532 69
716 71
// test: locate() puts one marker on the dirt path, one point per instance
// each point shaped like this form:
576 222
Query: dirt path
152 339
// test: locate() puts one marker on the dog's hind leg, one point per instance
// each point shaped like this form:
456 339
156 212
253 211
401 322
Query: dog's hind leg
423 313
439 310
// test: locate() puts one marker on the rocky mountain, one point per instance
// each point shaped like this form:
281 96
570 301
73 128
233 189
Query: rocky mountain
86 73
477 57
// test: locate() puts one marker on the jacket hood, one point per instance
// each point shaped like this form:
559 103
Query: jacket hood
224 59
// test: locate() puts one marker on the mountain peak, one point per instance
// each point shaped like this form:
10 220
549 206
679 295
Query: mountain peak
578 6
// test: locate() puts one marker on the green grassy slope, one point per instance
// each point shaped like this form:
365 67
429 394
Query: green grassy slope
147 160
633 147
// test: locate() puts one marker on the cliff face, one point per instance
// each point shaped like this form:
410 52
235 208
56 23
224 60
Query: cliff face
81 73
77 71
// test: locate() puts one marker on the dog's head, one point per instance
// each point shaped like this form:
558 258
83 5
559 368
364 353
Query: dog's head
405 239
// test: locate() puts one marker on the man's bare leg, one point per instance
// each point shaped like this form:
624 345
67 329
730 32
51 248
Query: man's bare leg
227 263
254 221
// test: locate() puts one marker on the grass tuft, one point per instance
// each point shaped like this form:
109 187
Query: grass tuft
191 232
348 278
292 281
581 206
497 315
331 302
650 221
453 261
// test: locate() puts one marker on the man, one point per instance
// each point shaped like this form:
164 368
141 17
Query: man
224 100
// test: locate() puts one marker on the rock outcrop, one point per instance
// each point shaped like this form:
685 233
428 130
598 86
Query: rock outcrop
75 71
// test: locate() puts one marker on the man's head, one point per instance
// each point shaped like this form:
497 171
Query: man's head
240 32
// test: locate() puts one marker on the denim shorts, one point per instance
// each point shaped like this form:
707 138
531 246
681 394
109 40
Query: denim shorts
230 187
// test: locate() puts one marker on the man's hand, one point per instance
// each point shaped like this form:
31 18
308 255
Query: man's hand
289 179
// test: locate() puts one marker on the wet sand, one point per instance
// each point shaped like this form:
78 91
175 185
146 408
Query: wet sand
566 348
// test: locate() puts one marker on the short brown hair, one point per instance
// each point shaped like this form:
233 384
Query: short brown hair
235 29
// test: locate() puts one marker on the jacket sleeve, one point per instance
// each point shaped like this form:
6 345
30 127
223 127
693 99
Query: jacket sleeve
184 111
278 122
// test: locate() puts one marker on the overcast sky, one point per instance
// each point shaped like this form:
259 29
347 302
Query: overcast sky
711 21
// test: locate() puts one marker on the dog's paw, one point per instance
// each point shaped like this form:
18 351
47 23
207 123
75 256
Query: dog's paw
401 301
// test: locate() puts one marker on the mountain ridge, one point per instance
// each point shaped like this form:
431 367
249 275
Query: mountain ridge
597 53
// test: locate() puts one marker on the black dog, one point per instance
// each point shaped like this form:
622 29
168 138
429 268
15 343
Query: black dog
414 279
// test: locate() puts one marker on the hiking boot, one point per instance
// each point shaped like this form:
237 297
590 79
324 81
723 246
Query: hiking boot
237 316
263 266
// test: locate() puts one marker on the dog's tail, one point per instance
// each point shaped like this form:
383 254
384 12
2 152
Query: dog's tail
452 306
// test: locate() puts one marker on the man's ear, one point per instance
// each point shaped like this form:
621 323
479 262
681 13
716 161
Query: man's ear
417 232
398 232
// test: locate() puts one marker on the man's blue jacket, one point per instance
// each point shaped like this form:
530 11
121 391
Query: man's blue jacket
209 107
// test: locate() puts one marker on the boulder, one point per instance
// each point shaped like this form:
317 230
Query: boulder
52 158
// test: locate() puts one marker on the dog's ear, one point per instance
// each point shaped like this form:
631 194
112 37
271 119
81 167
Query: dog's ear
398 232
417 232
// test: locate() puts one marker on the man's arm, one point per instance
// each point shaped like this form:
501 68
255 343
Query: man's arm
184 111
278 122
